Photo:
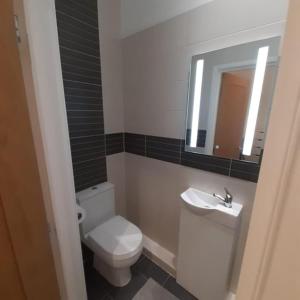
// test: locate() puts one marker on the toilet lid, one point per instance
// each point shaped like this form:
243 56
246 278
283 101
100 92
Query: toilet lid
117 237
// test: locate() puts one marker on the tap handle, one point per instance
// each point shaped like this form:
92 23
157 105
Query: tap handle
228 195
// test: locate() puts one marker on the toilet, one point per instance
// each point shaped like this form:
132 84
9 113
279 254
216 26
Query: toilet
117 244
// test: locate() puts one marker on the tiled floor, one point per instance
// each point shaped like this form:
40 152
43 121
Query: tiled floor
99 289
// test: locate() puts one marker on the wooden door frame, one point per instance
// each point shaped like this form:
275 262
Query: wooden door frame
272 207
40 59
23 214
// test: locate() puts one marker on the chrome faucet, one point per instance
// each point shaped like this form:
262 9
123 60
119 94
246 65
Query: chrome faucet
227 200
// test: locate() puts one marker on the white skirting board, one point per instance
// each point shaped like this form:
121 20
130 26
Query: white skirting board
165 259
230 296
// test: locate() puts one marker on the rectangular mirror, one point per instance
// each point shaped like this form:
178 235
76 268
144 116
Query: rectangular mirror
230 100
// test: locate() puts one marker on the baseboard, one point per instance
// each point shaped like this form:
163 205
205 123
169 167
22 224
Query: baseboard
166 259
231 296
161 256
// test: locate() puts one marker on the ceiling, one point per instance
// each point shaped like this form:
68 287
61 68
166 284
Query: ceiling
138 15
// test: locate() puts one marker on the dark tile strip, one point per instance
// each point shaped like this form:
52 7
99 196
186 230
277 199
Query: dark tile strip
135 143
172 150
161 148
245 170
206 163
114 143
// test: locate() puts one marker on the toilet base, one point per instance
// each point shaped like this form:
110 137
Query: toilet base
118 277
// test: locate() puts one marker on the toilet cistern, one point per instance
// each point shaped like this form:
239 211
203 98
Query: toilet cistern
227 200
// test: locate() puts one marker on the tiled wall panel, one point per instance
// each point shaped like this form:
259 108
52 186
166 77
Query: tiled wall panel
206 162
173 150
135 143
80 56
165 149
114 143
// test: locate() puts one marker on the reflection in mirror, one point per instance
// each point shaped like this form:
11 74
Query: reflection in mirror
230 99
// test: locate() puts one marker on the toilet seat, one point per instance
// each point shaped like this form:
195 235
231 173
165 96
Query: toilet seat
115 240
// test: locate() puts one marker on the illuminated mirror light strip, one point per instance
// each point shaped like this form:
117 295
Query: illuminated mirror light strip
255 99
196 102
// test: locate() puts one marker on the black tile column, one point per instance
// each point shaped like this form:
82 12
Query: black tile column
78 33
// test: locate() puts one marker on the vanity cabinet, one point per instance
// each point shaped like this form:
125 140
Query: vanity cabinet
207 238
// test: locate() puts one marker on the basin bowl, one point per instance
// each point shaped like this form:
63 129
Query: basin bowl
205 204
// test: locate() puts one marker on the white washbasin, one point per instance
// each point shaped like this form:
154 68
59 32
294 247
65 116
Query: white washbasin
207 205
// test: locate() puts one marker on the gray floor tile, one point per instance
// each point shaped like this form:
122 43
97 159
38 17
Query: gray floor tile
151 270
107 297
178 291
96 285
129 291
99 289
152 290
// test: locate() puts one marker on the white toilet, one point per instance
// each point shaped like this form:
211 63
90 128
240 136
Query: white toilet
117 244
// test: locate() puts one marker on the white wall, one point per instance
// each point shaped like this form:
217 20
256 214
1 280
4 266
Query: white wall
111 65
153 190
155 73
138 15
112 89
157 60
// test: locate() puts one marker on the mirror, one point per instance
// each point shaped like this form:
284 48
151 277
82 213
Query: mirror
230 100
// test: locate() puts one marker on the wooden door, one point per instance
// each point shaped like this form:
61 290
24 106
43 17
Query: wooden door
233 102
10 283
26 258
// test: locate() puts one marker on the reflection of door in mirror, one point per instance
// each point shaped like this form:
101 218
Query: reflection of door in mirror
232 110
233 105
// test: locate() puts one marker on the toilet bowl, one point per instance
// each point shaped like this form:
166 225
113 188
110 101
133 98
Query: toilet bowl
117 243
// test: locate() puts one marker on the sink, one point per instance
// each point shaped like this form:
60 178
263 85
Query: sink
204 204
200 202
